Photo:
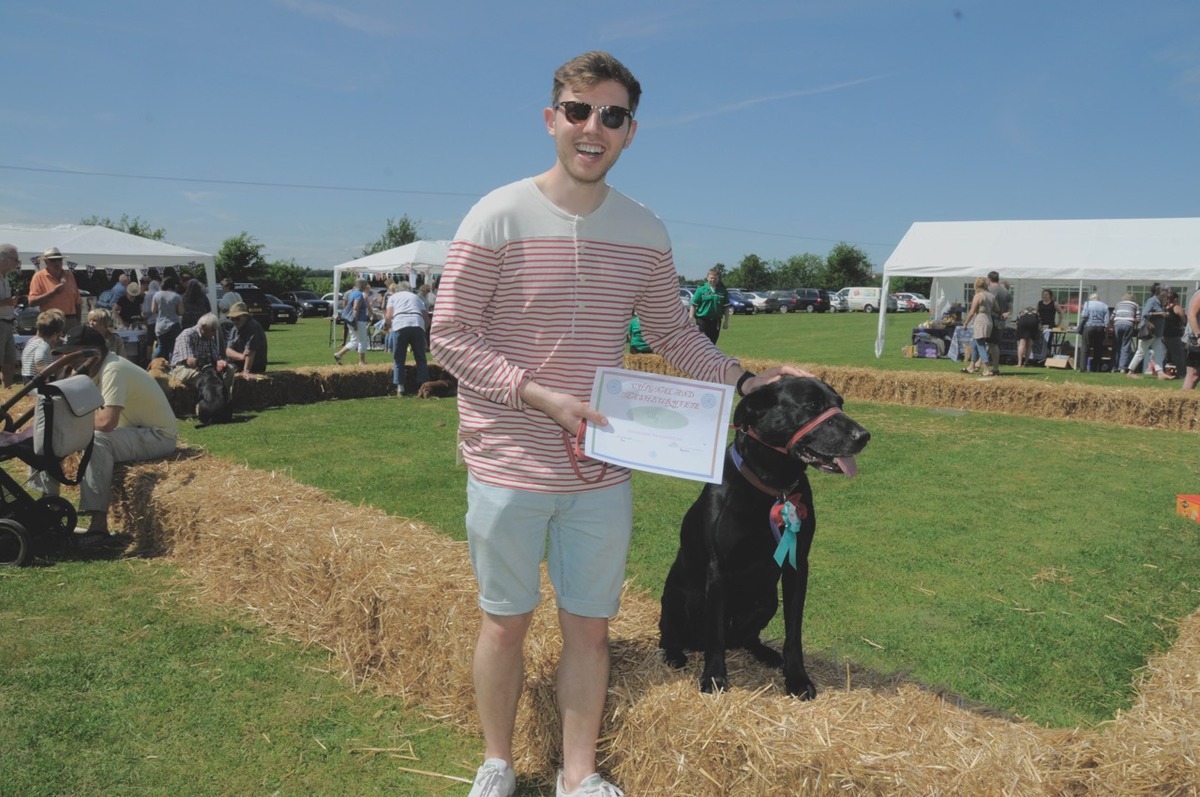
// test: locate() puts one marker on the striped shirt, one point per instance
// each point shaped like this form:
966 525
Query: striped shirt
533 292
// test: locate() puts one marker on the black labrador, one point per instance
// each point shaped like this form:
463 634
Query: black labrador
213 404
738 540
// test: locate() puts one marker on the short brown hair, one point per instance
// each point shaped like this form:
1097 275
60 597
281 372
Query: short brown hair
590 69
50 323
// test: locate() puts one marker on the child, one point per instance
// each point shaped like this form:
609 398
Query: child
36 356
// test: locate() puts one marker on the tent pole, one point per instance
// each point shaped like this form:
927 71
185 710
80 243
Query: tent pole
879 335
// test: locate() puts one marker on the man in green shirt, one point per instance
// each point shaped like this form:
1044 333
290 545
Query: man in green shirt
637 344
710 307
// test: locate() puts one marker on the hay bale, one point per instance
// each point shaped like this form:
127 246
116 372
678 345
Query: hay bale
1121 404
394 603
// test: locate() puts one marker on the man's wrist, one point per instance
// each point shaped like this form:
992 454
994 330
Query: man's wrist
739 388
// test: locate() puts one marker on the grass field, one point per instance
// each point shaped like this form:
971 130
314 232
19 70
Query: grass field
1027 564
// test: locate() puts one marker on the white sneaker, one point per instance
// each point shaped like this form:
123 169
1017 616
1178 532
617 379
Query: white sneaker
592 786
494 779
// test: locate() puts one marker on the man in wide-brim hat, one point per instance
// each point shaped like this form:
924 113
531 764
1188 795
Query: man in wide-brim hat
54 288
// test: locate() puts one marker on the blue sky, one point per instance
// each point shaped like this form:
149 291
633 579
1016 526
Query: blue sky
772 128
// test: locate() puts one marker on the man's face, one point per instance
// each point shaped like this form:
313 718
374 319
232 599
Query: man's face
712 280
587 150
8 262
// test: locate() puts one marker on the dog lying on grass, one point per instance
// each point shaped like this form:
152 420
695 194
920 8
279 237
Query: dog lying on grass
743 536
435 388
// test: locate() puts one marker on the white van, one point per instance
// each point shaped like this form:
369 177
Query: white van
864 299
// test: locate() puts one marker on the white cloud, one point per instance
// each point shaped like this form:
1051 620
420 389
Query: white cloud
342 16
749 103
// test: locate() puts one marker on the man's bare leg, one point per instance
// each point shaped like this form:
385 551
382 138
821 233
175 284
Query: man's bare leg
499 674
581 688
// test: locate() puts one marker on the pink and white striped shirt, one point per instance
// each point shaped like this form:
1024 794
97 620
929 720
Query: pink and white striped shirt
533 292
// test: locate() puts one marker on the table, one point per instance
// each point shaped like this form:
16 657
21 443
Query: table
134 340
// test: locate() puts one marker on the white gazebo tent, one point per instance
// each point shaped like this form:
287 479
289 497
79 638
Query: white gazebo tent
89 248
1106 255
419 257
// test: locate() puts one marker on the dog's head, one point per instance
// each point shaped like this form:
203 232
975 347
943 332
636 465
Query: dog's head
801 417
159 367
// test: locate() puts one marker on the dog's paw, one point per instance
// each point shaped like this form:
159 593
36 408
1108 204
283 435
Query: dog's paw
766 656
801 687
713 683
676 659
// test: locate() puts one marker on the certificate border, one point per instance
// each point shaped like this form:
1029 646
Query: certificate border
714 472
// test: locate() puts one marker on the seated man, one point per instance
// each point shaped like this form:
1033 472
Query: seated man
197 347
247 350
134 424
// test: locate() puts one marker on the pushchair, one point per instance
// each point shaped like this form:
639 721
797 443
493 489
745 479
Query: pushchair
62 425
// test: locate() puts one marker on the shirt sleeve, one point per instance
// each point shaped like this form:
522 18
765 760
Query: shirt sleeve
458 340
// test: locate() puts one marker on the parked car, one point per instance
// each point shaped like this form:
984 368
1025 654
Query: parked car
903 304
308 303
742 303
916 302
811 300
281 311
256 302
837 304
786 299
685 294
763 301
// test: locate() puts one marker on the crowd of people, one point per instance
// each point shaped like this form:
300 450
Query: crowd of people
402 316
1158 337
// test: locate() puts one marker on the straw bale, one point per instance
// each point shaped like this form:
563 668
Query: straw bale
394 603
1120 404
304 386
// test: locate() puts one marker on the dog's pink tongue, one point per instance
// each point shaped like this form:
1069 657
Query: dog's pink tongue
848 465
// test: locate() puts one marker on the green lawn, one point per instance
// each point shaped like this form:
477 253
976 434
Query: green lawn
1020 562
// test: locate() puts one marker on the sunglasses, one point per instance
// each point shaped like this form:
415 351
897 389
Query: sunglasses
611 116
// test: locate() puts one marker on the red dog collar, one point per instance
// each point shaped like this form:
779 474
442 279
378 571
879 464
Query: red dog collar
805 430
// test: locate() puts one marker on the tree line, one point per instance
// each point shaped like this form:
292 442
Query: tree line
241 259
844 266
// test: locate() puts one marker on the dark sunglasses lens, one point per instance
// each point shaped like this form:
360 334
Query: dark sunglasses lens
577 112
612 117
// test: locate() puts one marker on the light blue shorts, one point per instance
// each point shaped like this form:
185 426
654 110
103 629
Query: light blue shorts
588 533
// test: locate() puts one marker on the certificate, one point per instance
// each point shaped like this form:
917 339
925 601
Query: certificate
661 424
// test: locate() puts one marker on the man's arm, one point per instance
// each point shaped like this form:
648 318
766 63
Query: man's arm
107 418
46 293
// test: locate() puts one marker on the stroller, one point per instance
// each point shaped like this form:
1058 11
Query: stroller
62 425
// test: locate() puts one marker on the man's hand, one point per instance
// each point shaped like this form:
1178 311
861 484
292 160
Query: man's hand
562 408
768 376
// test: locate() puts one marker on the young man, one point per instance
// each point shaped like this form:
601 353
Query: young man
540 284
710 306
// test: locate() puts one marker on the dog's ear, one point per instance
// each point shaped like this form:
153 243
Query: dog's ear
751 408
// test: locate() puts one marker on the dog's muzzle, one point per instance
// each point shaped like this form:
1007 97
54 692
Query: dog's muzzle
844 465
